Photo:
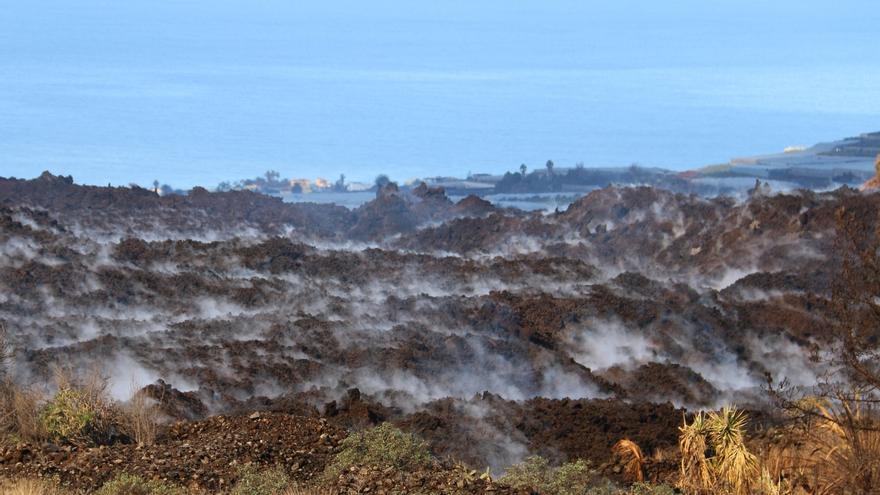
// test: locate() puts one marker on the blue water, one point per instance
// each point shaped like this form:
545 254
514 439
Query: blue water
195 92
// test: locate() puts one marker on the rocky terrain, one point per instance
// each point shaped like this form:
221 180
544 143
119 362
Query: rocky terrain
491 333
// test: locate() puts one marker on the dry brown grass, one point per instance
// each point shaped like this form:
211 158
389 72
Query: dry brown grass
140 418
19 406
29 487
633 460
5 353
836 451
24 413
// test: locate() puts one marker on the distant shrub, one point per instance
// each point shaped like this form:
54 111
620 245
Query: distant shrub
383 446
535 473
127 484
266 482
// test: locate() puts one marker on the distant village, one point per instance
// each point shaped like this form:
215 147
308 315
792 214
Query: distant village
271 182
548 178
849 161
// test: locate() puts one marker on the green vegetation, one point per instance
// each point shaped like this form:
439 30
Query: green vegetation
573 478
649 489
126 484
264 482
535 473
68 416
383 446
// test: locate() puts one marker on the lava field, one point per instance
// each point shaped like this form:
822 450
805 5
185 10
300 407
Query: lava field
492 333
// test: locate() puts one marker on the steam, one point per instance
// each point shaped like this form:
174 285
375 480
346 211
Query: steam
247 313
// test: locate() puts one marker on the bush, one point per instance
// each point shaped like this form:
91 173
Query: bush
535 473
383 446
649 489
68 416
530 474
266 482
605 487
80 412
608 487
127 484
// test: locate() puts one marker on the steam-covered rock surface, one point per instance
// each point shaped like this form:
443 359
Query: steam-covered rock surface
492 333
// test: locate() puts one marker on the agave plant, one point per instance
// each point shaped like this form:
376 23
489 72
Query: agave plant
696 472
733 462
714 457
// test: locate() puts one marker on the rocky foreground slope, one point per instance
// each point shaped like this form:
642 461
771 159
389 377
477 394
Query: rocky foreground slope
493 334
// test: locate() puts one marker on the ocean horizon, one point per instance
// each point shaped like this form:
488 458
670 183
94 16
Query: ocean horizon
136 92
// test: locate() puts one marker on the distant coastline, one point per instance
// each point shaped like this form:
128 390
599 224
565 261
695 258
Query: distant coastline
822 166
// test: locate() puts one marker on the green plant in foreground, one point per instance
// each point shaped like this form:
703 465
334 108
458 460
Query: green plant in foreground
382 447
649 489
265 482
127 484
535 473
68 416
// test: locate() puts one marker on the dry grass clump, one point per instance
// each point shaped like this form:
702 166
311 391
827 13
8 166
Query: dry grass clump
140 419
22 420
836 449
714 457
29 487
5 353
19 406
633 460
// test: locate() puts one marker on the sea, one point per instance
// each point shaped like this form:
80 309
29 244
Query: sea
195 92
